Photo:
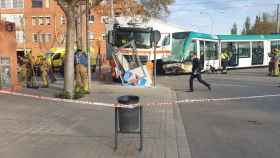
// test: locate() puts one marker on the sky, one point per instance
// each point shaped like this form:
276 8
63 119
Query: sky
217 16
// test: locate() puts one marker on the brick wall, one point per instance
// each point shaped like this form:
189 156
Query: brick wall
8 50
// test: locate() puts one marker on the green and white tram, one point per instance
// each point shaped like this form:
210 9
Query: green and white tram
244 50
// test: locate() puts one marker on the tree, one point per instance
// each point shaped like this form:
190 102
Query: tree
71 9
157 8
234 29
247 25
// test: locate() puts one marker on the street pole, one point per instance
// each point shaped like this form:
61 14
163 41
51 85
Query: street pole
87 44
277 21
155 63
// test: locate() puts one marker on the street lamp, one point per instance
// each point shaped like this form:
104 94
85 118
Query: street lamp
211 19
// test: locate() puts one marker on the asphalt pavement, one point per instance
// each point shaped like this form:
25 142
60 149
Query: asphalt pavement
245 128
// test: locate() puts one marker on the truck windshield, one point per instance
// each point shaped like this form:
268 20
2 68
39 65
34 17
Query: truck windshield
142 38
178 44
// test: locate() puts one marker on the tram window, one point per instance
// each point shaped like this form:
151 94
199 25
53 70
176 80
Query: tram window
274 45
244 49
258 47
193 48
211 49
166 40
202 49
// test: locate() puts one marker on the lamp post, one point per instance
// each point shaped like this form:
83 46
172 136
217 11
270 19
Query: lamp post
211 19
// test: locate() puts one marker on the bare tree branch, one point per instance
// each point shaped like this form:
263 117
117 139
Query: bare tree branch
62 6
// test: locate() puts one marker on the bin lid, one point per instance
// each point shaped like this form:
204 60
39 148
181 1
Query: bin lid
128 99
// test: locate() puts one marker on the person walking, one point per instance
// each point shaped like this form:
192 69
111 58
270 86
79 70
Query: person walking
196 73
81 76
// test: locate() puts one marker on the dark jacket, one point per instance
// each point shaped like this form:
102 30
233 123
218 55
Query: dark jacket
196 66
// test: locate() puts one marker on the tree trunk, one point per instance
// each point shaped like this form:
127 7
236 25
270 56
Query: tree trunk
69 58
79 28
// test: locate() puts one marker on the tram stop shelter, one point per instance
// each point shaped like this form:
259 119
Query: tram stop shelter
8 58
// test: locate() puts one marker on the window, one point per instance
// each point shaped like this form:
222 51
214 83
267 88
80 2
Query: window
42 38
34 20
19 36
211 50
193 48
166 40
37 3
18 19
91 35
274 45
62 20
47 3
257 53
48 20
35 38
41 21
244 49
91 19
48 37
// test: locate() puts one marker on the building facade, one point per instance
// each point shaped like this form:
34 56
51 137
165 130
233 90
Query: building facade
8 72
41 25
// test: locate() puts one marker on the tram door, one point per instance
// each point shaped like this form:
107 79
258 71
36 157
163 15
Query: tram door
231 48
257 53
202 54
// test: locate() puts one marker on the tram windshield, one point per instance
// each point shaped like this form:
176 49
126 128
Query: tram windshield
179 41
141 37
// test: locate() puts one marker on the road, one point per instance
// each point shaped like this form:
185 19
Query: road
247 128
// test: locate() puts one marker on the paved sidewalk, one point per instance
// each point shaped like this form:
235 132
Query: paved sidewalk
33 128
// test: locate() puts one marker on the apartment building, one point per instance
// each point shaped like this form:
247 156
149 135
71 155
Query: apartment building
41 25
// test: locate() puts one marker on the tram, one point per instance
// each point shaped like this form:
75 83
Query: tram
244 50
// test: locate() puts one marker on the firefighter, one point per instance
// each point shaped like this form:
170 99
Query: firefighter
81 62
44 68
275 62
224 61
30 73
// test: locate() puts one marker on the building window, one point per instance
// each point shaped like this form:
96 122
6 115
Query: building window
47 4
62 20
91 19
19 36
37 3
41 20
35 37
244 49
11 4
48 20
211 50
48 37
34 20
42 38
91 35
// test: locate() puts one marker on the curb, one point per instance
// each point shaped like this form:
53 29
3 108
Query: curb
183 147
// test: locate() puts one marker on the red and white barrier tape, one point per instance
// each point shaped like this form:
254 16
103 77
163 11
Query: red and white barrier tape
134 105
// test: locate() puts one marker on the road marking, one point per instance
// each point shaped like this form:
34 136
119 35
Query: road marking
134 105
229 85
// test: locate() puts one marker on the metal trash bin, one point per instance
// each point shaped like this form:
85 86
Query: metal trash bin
128 117
129 120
